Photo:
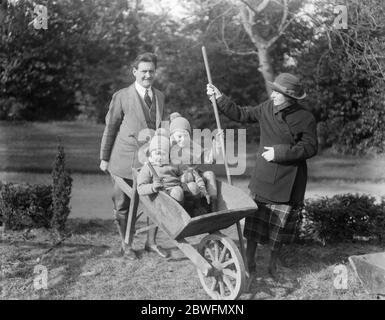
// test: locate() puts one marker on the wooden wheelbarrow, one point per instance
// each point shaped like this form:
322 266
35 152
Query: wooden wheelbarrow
219 263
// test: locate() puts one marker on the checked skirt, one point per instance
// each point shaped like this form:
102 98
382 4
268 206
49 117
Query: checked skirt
273 224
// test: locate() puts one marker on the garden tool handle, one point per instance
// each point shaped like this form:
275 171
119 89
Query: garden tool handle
215 107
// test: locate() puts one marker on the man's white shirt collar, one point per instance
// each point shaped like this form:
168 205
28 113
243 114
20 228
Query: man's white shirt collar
142 90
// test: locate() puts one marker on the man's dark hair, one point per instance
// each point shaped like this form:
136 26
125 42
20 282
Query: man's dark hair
145 57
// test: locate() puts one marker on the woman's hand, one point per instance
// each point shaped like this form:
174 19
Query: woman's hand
268 154
212 90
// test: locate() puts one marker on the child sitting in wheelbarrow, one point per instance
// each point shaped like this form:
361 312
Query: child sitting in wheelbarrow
159 173
189 153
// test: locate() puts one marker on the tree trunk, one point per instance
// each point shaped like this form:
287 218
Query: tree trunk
265 66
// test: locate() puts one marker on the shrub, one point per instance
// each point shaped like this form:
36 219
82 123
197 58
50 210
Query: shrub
343 218
61 191
23 206
35 206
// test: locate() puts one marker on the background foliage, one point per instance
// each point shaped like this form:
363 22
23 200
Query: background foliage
24 206
343 217
71 70
37 205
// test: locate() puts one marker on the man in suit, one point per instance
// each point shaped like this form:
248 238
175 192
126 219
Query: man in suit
287 138
132 110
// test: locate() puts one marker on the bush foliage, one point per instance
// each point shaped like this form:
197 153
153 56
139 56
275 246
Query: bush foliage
23 206
343 218
61 191
36 206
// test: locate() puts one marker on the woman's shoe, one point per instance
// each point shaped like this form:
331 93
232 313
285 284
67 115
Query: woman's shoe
272 270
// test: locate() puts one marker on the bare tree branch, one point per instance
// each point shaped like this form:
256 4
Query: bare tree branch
280 33
247 17
284 15
228 49
259 8
262 5
211 23
249 6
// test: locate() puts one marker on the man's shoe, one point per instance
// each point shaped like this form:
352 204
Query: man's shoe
155 248
130 254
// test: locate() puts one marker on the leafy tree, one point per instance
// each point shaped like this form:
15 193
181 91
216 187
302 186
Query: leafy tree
344 73
182 73
71 68
37 66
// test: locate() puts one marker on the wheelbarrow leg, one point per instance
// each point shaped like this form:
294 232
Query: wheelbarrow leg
242 247
132 214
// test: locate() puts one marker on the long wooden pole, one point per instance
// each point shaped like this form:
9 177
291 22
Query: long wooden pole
215 107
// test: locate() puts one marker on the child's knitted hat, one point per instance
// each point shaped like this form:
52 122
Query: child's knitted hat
180 123
174 115
160 142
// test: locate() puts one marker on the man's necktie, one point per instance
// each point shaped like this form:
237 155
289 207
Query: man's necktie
147 99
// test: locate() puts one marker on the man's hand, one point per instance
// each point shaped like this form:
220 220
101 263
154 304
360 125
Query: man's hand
268 154
103 165
157 185
212 90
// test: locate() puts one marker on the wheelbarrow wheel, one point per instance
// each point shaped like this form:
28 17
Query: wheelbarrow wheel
228 278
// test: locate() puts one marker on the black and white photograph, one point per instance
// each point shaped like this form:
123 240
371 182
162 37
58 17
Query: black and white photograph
192 150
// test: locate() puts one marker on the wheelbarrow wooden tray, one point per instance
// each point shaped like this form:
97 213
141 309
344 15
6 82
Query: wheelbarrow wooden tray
370 269
225 260
233 205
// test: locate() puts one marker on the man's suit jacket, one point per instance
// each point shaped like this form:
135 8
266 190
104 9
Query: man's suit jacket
124 120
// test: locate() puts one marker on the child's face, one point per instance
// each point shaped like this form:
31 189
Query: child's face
181 137
159 157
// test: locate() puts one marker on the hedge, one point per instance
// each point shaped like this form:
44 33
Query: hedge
343 217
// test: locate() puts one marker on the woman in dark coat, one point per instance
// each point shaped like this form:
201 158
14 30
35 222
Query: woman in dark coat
287 138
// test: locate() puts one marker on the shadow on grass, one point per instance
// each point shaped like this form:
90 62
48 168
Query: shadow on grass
64 261
64 266
74 257
80 226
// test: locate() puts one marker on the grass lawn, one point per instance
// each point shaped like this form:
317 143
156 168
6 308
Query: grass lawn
85 266
31 147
